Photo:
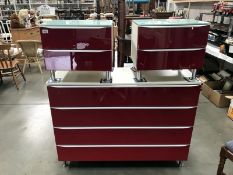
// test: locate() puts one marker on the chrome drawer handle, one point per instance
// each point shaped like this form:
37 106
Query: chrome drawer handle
177 26
121 127
64 86
123 107
81 51
74 27
121 146
171 50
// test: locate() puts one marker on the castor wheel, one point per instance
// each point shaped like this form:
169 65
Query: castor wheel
180 163
66 163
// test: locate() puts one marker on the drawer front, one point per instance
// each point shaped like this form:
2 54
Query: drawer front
89 60
122 117
51 38
74 96
127 136
98 61
157 60
171 38
122 153
81 39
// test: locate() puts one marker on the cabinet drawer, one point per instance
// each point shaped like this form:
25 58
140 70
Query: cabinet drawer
171 38
74 96
157 60
122 135
122 117
80 38
76 60
122 153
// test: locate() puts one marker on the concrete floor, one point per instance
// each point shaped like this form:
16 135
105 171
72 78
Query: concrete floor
27 145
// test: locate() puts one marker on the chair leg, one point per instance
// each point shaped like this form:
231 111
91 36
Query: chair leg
24 65
21 73
38 62
221 162
14 79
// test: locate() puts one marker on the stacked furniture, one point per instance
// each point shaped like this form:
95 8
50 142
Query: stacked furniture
144 119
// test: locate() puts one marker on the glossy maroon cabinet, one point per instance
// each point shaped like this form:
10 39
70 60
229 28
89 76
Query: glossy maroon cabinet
77 45
168 44
123 123
124 119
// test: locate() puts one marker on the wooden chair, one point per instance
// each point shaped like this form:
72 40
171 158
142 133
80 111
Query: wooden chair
225 153
9 65
30 52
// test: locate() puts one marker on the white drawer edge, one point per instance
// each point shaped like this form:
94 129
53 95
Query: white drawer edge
75 50
121 146
122 127
112 108
171 50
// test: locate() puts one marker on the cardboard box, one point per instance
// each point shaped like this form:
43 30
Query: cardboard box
230 109
212 91
230 113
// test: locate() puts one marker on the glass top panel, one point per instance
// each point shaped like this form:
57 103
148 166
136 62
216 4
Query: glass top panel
77 23
168 22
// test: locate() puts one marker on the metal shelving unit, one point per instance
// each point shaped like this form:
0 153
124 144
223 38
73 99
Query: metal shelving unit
7 7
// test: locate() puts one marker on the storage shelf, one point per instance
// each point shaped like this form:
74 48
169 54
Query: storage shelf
203 1
21 4
214 51
36 3
7 4
7 10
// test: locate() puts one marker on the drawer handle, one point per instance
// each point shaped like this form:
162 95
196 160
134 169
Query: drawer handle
97 128
89 51
172 50
74 85
175 26
118 146
96 108
74 27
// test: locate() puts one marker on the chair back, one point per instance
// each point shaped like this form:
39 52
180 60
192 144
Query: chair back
5 31
29 47
5 59
2 28
8 25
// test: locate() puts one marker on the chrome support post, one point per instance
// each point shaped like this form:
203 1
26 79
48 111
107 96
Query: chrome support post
108 76
138 76
53 77
107 79
194 73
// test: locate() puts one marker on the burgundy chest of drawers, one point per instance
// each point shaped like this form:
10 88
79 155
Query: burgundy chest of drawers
124 120
168 44
77 45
